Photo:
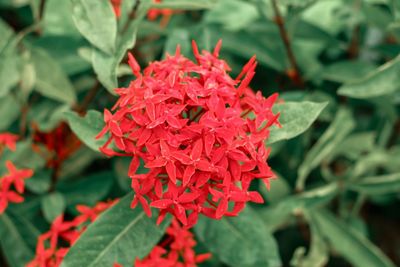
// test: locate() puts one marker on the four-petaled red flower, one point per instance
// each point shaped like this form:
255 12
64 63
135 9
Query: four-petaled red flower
200 133
9 140
51 249
12 184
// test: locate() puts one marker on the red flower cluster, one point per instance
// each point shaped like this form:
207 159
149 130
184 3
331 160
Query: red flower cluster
200 133
49 251
12 184
175 250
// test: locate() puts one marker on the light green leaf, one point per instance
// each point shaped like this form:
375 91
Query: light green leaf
185 4
383 81
51 81
227 12
86 128
97 22
13 242
332 137
241 241
53 205
358 250
378 185
6 34
57 18
295 118
276 215
181 37
120 234
105 66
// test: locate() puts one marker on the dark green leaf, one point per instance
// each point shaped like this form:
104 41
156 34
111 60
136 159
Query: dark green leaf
241 241
53 205
13 242
119 234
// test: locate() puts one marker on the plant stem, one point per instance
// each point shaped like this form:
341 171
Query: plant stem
88 98
293 72
354 47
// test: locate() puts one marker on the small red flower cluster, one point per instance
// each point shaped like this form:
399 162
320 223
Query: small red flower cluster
200 133
175 250
117 7
49 251
12 184
61 143
154 13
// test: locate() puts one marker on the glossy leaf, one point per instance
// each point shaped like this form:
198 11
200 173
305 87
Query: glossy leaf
120 233
241 241
295 118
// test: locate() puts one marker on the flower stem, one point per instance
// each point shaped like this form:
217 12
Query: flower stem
293 71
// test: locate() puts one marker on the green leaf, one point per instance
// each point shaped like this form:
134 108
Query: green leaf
295 118
9 70
53 205
13 242
56 86
86 128
97 22
378 185
328 142
347 71
383 81
185 4
276 215
10 109
105 65
57 19
40 182
88 190
6 34
226 13
241 241
358 250
318 252
120 234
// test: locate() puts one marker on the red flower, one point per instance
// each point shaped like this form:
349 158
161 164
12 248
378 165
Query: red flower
200 133
176 249
49 252
9 140
165 13
13 180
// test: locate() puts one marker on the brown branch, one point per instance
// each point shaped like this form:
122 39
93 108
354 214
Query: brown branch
293 72
88 98
354 47
131 16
